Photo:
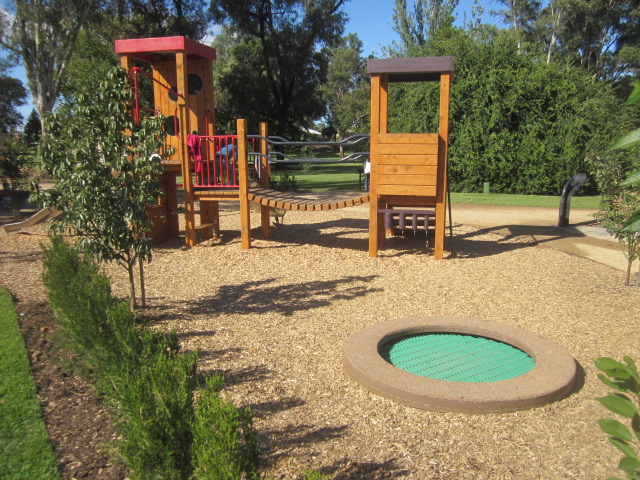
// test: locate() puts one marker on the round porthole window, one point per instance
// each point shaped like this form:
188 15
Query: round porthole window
194 84
173 94
171 125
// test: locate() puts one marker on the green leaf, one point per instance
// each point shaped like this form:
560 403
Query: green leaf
627 359
608 365
615 428
619 403
630 139
632 178
634 98
610 383
624 447
629 464
635 426
633 223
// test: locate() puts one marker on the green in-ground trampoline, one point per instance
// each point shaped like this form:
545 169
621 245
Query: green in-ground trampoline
459 364
457 357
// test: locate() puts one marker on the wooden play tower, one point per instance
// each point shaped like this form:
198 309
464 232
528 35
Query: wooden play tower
182 74
408 170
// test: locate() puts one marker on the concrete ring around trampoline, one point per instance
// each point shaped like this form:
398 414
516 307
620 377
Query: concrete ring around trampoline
550 379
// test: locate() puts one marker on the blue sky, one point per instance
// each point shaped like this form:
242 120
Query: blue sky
370 19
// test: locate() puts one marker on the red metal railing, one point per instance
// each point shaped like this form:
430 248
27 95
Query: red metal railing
214 160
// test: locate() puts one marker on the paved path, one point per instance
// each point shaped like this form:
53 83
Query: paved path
582 237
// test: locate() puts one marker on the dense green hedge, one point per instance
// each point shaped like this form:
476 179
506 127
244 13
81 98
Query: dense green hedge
516 122
150 387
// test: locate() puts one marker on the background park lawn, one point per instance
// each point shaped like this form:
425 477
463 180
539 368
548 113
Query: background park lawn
323 177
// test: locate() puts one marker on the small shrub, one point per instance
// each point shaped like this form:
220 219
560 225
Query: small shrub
80 298
622 377
307 152
225 441
147 382
314 475
155 414
284 183
307 168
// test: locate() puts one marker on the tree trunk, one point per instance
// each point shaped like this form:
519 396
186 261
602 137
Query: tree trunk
627 277
143 294
132 283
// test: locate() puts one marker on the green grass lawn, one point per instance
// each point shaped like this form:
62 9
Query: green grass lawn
339 176
589 202
24 445
322 177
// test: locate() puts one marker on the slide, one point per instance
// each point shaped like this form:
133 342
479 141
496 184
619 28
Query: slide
38 217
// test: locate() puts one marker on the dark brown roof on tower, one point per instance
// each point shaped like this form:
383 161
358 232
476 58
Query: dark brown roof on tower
411 69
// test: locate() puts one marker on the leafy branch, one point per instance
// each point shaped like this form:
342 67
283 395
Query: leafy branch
625 402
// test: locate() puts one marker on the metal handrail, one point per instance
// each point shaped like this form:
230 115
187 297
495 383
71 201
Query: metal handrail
352 157
347 142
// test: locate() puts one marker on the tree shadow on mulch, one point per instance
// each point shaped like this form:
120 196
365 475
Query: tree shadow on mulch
350 470
341 234
268 297
510 238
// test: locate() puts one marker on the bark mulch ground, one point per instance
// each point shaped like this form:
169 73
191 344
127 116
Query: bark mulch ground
274 319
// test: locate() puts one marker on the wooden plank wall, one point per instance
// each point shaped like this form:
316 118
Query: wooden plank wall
407 164
201 105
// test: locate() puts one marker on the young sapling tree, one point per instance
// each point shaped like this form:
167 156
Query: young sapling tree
106 171
631 226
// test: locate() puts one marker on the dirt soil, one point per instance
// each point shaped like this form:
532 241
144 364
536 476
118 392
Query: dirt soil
273 320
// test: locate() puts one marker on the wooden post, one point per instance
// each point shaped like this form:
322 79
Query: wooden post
183 118
245 214
210 214
443 144
265 175
125 62
379 111
171 201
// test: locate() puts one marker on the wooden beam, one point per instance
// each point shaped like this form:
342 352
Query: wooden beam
443 145
183 116
373 157
265 174
245 213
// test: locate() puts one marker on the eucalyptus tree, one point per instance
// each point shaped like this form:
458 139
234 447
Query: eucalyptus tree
43 34
599 37
347 88
520 16
159 18
287 45
12 96
427 17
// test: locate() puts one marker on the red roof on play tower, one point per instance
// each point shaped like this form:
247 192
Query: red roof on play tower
145 48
